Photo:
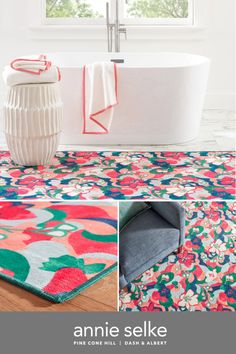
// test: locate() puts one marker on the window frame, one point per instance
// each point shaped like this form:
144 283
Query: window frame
137 22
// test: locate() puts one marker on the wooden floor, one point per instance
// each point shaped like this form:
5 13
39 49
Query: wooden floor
102 296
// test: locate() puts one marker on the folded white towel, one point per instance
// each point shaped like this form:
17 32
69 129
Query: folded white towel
32 67
31 64
99 97
12 77
30 70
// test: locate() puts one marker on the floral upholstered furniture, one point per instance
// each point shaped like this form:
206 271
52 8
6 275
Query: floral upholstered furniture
151 233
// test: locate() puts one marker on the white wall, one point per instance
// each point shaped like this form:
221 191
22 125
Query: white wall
213 36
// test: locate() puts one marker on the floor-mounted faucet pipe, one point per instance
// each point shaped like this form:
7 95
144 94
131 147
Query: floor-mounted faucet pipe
109 28
118 28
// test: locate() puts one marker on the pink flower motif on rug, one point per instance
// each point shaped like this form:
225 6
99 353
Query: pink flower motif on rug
122 175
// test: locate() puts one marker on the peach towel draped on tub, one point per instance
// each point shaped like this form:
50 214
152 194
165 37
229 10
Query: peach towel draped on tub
99 97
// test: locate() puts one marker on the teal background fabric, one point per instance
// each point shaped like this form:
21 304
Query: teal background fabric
128 210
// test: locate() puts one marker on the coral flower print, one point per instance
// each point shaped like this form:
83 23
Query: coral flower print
122 175
188 300
147 275
202 277
211 275
217 247
186 258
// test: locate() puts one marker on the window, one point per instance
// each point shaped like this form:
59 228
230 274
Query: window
75 11
161 12
131 12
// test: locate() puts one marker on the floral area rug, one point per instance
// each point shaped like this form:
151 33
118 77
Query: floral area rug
122 175
57 250
200 278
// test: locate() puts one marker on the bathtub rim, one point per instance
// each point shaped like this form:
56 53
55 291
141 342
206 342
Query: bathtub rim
202 59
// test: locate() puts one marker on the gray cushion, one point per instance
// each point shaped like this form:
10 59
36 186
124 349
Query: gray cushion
128 210
143 242
174 213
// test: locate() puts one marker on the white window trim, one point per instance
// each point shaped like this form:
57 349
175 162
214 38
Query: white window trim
127 21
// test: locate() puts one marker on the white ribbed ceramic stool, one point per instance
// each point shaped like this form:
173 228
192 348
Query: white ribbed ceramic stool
32 123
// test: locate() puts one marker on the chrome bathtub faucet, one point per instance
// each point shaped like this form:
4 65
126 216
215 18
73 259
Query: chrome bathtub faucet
117 28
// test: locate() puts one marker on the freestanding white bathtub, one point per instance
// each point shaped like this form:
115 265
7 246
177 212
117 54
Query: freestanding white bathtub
160 95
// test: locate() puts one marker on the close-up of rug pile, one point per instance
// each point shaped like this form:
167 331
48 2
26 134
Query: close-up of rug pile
57 250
